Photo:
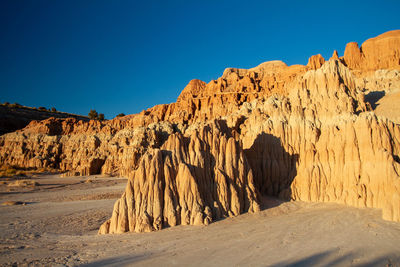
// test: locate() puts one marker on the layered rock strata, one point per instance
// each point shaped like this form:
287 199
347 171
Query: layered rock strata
79 148
296 132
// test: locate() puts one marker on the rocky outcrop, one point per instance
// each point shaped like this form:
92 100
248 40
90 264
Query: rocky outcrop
221 97
81 148
321 152
335 55
382 92
192 90
381 52
297 132
189 181
288 142
315 62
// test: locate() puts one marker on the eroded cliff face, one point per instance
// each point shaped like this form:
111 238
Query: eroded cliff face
298 132
79 148
326 152
189 180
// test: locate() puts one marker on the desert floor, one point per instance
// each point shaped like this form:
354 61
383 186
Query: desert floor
59 221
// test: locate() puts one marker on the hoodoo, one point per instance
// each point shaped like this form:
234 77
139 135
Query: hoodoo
310 133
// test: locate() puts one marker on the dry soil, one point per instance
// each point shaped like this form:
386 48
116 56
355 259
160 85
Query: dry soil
55 224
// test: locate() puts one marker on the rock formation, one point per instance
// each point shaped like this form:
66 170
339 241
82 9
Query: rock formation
309 133
192 180
315 62
326 152
381 52
335 55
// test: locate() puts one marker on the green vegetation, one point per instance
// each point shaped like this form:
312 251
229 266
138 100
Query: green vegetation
120 115
93 115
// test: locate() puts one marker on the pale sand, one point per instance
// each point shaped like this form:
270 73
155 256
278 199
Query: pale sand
59 223
389 106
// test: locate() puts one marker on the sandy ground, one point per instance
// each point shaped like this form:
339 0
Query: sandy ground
389 106
386 103
58 225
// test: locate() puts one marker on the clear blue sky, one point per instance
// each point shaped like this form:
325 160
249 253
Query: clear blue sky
125 56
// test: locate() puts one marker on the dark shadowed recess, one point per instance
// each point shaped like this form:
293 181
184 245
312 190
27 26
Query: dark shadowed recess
274 169
373 97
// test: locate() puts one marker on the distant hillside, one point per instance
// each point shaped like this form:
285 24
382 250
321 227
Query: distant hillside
14 116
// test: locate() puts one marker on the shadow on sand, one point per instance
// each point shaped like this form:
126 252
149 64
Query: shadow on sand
330 258
126 260
326 258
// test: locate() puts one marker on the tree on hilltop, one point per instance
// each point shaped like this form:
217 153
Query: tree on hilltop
93 114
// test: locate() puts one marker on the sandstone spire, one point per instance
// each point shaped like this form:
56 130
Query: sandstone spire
335 55
315 62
